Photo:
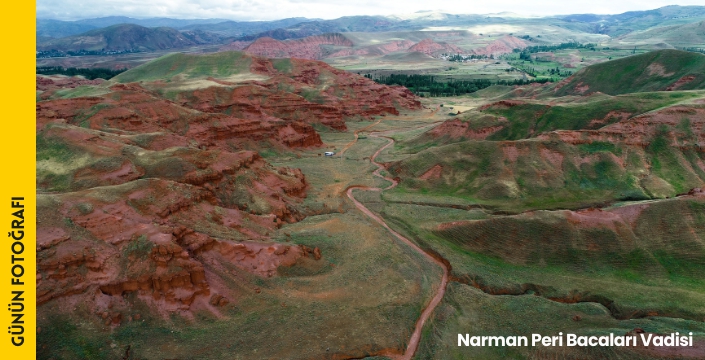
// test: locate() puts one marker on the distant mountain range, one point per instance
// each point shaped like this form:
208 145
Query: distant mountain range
123 37
125 33
612 25
58 28
621 24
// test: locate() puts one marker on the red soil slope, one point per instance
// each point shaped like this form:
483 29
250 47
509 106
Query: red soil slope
148 209
456 129
347 95
372 50
53 82
501 46
306 48
160 197
430 47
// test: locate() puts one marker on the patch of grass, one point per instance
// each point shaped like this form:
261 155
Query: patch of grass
61 338
313 95
283 65
600 146
81 91
54 149
139 248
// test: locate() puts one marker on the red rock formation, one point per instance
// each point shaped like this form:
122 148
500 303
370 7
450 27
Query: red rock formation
135 109
307 48
372 50
430 47
345 95
456 129
502 104
53 82
137 240
149 195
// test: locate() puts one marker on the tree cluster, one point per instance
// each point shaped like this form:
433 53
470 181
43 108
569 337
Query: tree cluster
429 85
89 74
461 58
102 52
525 54
694 49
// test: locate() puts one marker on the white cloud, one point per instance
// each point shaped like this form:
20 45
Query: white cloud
326 9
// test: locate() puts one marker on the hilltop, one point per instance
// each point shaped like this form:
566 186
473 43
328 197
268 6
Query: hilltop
430 47
653 71
318 27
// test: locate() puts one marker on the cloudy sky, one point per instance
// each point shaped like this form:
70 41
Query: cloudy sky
327 9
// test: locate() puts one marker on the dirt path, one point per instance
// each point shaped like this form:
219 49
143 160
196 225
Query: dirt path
366 128
416 336
356 134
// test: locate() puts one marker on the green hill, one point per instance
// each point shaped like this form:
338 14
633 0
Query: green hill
565 169
221 64
686 35
653 71
130 37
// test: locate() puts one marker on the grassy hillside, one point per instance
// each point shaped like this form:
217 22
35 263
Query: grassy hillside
544 174
611 270
468 310
573 170
130 37
529 119
653 71
516 120
687 35
220 64
659 246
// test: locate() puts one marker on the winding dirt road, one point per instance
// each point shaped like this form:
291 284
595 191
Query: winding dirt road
416 336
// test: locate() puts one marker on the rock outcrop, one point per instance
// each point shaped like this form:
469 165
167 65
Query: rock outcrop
430 47
53 82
